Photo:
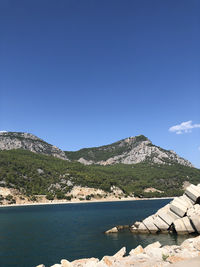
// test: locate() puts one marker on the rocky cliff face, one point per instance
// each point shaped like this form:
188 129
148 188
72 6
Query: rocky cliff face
27 141
131 150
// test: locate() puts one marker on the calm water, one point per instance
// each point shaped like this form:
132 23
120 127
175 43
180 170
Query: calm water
46 234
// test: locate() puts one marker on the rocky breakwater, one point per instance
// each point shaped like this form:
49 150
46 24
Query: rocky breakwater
154 255
181 216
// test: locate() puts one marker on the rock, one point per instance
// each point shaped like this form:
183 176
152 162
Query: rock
91 262
193 262
193 192
156 253
163 226
122 227
195 221
178 208
65 263
120 253
138 250
188 225
142 228
180 227
107 260
133 229
149 223
196 243
174 259
169 217
112 230
188 200
153 245
56 265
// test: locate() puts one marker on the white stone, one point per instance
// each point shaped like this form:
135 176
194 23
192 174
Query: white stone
178 208
188 225
180 226
149 223
163 226
142 228
66 263
120 253
196 222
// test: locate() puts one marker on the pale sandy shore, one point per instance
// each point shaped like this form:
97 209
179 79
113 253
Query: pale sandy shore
79 201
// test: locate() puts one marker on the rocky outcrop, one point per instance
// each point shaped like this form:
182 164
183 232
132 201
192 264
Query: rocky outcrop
153 255
27 141
181 215
131 150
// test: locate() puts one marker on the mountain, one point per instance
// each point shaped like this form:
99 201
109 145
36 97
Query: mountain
131 150
133 165
37 174
27 141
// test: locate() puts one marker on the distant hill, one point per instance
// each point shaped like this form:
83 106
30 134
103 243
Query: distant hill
131 150
134 165
27 141
36 174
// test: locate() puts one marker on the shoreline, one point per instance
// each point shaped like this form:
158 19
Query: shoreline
79 202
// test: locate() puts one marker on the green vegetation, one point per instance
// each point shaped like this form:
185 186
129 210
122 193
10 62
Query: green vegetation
20 169
105 152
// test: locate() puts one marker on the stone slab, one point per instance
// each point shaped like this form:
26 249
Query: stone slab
163 226
193 192
149 223
195 221
169 217
188 225
180 227
178 208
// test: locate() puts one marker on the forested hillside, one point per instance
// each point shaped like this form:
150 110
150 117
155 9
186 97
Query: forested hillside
35 174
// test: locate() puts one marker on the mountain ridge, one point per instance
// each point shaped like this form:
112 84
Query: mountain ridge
131 150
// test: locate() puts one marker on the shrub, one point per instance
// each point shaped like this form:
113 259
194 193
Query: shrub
88 197
60 195
50 196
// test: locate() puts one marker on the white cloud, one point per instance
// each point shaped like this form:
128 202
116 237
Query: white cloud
184 127
3 131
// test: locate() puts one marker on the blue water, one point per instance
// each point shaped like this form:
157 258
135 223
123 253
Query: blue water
32 235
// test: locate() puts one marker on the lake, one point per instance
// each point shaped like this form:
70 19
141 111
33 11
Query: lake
31 235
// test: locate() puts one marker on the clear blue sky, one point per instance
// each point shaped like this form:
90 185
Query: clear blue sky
87 73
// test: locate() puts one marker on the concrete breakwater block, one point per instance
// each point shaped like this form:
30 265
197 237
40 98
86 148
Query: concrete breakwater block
180 227
169 217
178 208
193 192
195 222
181 215
149 223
